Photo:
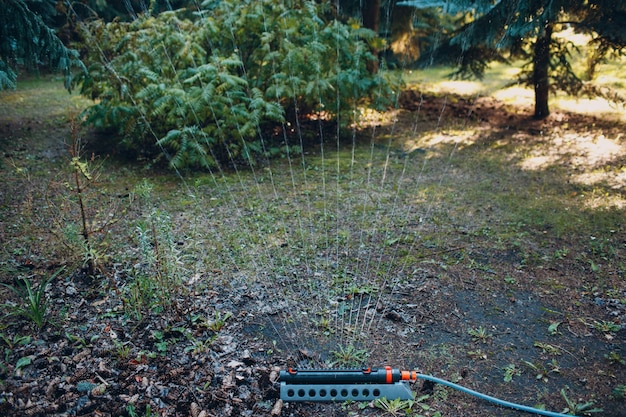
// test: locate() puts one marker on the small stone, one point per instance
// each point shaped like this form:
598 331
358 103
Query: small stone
85 386
234 364
274 375
278 408
99 390
247 358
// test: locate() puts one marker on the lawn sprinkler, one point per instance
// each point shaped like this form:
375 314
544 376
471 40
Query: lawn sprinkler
327 385
368 384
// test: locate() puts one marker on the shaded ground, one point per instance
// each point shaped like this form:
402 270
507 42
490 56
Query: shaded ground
467 241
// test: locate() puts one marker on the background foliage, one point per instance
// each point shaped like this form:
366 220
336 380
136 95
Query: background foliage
27 41
202 89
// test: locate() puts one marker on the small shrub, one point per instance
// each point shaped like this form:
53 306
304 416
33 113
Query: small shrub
202 90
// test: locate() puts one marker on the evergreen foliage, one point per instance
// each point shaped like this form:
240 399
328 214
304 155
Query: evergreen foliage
505 29
27 41
206 86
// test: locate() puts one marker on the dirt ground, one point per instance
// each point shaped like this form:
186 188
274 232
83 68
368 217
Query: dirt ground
531 311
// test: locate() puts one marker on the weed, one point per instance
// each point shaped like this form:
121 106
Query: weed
606 326
160 342
548 348
15 341
161 253
619 392
132 412
22 362
560 254
348 356
200 346
615 358
553 328
578 408
76 340
396 407
480 334
215 325
510 371
541 372
122 350
510 280
219 321
325 325
477 354
34 305
157 280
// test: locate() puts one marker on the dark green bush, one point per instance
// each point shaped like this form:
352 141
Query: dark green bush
203 90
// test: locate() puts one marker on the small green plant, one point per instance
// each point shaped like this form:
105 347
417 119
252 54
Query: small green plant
22 362
547 348
579 408
480 334
398 407
606 326
348 356
219 321
477 354
16 340
510 371
33 303
160 342
510 280
615 358
77 340
122 350
541 372
553 328
156 281
216 324
395 407
132 412
324 324
619 392
200 346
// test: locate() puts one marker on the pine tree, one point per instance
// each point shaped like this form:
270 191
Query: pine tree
27 41
505 29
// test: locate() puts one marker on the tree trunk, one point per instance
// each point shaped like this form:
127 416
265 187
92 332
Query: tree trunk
541 66
371 20
403 37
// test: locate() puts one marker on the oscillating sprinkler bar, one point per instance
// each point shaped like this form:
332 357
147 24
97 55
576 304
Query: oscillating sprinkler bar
386 375
366 384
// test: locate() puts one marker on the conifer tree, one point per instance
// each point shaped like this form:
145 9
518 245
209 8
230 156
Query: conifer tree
27 41
505 29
